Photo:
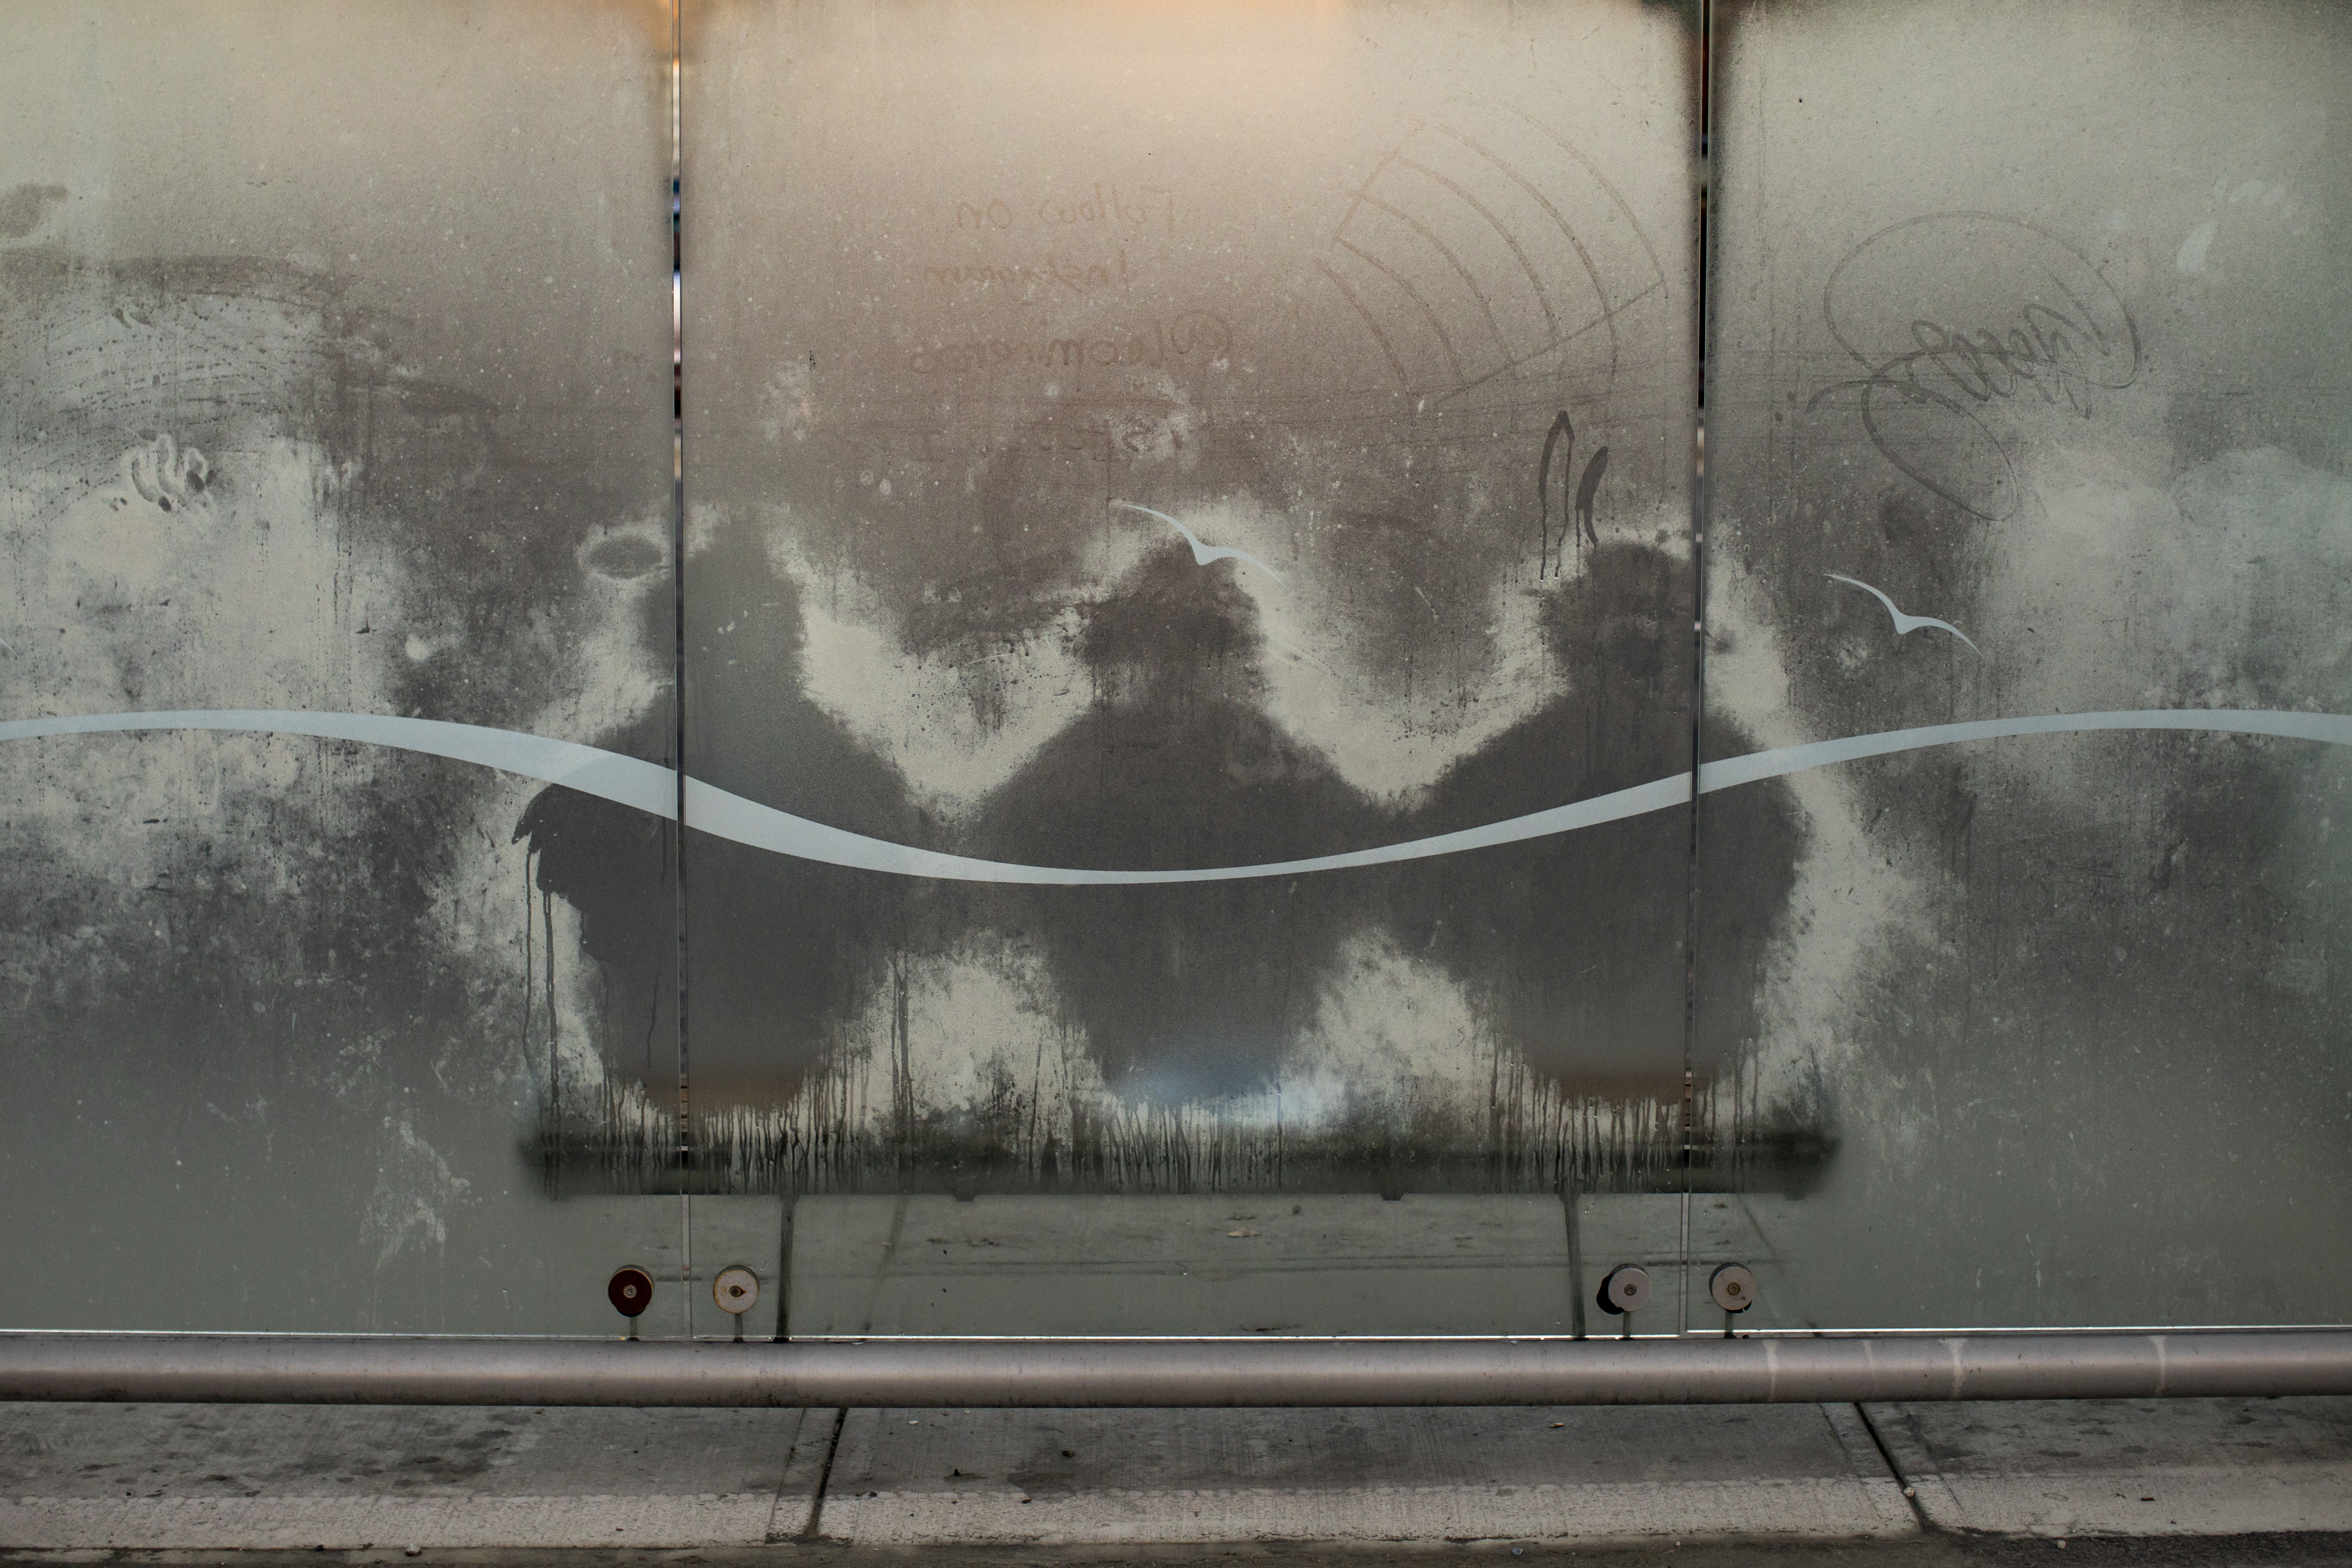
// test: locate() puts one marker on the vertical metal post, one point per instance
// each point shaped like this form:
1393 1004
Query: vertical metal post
784 1269
1681 1295
1575 1255
678 607
1691 890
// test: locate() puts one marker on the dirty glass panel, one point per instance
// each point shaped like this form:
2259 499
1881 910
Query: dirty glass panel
2026 408
333 380
1147 439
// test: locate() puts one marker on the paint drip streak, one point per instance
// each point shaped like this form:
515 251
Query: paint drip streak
837 1136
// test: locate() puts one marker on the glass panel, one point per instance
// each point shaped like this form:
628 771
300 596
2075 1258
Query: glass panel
333 383
1157 437
2025 400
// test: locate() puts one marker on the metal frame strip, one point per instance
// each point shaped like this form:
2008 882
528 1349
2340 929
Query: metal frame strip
1069 1374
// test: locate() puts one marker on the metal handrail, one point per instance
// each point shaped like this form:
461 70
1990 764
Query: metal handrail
1068 1373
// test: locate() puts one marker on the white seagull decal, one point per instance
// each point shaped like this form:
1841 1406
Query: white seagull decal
1202 554
1905 625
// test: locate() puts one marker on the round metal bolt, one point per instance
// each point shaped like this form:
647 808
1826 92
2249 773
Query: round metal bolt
1733 1286
735 1289
1626 1290
631 1290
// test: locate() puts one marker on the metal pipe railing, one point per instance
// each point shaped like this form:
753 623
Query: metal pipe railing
387 1370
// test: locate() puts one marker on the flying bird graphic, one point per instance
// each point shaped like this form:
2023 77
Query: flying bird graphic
1905 625
1202 554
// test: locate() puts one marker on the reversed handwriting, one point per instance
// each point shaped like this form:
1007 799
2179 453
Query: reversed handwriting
1132 209
1191 338
1050 275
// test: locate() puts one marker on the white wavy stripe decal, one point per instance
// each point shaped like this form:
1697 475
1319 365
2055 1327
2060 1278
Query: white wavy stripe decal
650 787
2335 728
608 775
711 810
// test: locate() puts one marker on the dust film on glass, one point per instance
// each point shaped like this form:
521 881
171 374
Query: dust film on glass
335 409
1133 443
2027 433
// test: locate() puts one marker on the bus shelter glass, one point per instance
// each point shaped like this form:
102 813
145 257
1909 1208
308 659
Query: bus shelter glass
334 412
1156 474
2026 574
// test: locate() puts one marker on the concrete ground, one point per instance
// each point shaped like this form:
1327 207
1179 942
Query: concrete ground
2188 1481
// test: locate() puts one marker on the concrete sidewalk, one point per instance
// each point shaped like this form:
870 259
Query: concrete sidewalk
81 1478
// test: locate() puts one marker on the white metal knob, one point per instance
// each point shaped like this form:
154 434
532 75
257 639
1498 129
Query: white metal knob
735 1289
1732 1288
1627 1289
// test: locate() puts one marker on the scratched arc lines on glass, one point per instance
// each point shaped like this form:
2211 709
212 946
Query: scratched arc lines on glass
654 789
1454 304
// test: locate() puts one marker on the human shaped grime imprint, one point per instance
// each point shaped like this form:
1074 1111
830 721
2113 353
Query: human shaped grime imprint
1200 542
1569 951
